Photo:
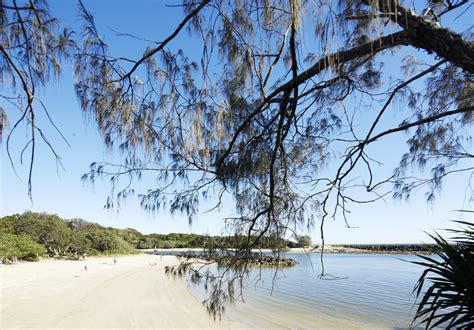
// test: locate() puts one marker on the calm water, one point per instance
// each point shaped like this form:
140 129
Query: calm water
366 291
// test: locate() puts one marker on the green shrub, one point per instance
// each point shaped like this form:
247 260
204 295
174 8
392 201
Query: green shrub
304 241
15 246
49 230
7 224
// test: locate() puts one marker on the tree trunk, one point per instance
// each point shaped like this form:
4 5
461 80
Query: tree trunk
426 34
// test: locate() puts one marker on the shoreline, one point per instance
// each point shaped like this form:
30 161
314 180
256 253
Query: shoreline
134 293
327 249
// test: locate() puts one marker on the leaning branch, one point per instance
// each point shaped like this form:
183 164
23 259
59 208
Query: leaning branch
420 122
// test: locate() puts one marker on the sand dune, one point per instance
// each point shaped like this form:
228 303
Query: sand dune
134 293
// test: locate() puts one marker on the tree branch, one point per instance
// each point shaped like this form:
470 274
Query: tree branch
371 48
420 122
426 35
167 40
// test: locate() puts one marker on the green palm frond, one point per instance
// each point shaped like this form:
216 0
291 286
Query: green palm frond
445 289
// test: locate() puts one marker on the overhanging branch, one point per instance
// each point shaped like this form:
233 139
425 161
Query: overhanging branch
425 34
368 49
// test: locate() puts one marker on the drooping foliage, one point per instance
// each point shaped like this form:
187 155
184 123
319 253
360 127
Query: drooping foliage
281 91
33 47
282 107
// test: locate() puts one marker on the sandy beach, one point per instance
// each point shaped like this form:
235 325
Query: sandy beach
134 293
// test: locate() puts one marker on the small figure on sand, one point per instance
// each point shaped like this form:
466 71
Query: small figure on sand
85 267
115 260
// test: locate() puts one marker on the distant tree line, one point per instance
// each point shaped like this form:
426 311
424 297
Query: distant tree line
176 240
30 235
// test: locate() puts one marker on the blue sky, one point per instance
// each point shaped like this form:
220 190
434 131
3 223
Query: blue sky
62 192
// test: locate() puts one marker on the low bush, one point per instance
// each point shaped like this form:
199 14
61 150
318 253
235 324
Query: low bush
22 248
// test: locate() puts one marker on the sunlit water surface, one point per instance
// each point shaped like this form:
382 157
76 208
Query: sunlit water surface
363 291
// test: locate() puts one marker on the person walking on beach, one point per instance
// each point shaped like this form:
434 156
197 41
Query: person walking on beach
115 260
85 267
